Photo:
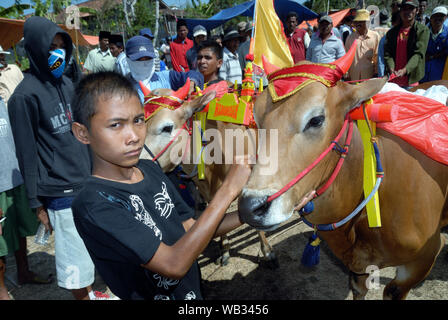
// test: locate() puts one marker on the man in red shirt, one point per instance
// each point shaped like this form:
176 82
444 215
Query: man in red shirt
179 48
298 39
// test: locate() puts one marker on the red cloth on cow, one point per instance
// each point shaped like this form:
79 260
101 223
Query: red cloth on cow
420 121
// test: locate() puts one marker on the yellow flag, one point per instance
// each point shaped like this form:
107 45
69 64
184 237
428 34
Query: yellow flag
269 39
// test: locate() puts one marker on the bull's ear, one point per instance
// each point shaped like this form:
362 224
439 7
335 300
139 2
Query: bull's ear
196 105
356 94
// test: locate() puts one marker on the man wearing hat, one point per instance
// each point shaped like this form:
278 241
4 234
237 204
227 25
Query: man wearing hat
231 68
199 35
140 58
179 48
364 65
437 51
405 47
159 65
100 59
116 47
298 39
10 76
325 47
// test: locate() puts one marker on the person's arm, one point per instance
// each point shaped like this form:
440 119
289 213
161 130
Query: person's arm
175 261
306 40
178 79
24 119
88 64
421 45
388 51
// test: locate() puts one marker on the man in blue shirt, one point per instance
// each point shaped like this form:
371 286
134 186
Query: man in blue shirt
437 50
325 46
140 58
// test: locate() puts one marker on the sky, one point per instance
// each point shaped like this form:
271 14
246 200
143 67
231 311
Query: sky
7 3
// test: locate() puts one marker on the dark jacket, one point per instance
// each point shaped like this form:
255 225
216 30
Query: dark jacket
53 163
416 50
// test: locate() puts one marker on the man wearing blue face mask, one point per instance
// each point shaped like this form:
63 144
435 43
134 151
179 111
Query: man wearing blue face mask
52 162
140 58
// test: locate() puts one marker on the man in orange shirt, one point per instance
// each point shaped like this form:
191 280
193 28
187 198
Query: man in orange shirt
179 48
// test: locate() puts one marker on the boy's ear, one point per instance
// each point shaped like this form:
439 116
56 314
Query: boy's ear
220 61
80 132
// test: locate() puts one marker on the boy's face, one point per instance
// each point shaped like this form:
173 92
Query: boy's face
208 63
117 132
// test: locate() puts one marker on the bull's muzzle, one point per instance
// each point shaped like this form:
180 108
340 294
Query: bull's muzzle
252 209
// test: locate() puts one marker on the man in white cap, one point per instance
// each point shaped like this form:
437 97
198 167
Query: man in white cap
199 35
364 65
437 50
325 46
10 76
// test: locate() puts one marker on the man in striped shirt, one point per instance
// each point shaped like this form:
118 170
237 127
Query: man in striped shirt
231 68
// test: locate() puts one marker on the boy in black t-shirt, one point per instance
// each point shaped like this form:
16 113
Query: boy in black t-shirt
139 232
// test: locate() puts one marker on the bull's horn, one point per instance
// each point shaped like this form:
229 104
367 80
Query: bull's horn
145 90
182 93
345 62
267 66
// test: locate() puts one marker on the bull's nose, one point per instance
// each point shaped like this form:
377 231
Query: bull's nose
251 206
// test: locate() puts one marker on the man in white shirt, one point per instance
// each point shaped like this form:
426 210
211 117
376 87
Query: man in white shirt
231 68
100 59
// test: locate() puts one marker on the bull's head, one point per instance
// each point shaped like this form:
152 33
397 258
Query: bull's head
306 116
166 112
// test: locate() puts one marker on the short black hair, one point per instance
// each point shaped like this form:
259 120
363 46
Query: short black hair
292 14
94 86
213 45
181 23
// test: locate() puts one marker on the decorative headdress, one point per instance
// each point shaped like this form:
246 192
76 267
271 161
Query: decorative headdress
154 103
285 82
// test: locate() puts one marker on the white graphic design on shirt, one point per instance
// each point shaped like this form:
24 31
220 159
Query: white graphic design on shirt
143 216
190 296
165 282
163 202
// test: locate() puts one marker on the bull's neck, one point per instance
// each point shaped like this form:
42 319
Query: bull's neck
342 197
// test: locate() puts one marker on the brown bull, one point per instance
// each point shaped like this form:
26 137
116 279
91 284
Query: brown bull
162 127
413 194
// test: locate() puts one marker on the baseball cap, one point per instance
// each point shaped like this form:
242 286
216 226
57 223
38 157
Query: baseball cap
413 3
138 47
326 18
146 32
441 10
199 30
3 51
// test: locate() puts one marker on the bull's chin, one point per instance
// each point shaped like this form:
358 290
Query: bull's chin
270 227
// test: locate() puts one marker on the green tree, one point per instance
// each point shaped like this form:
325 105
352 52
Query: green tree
15 11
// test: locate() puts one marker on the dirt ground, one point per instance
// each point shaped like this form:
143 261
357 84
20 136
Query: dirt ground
248 277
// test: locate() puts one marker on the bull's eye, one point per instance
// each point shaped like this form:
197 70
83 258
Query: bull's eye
315 122
167 128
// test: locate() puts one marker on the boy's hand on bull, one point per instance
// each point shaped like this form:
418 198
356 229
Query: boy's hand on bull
239 173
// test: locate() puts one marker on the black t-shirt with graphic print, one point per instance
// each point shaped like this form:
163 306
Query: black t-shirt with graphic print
122 226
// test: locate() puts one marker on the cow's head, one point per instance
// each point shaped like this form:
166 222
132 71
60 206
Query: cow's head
166 112
305 119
